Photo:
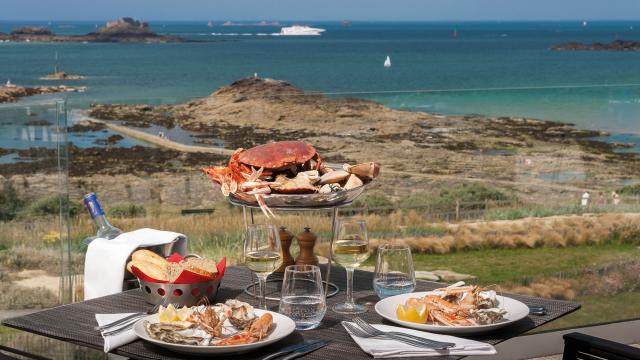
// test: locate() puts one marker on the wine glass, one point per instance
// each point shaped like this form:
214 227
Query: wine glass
350 249
302 297
394 271
262 254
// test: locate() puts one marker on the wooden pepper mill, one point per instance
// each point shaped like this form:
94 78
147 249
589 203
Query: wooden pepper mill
286 238
307 242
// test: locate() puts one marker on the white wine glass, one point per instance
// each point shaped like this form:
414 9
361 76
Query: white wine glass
262 254
350 249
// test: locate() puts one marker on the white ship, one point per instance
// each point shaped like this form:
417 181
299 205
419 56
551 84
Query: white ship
297 30
387 62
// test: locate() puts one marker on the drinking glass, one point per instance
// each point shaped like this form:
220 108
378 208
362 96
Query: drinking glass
350 249
394 271
262 254
302 298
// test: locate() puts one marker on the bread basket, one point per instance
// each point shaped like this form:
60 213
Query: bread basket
187 289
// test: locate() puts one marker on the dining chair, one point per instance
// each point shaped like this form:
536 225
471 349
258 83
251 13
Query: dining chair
579 346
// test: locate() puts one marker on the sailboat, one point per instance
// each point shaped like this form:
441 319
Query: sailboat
210 24
584 23
387 62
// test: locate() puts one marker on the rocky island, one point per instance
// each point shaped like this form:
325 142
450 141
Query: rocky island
616 45
123 30
13 93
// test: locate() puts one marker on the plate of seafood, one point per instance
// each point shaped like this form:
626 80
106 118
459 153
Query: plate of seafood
453 310
232 327
289 174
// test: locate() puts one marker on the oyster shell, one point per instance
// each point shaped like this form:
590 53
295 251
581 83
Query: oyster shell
242 314
174 333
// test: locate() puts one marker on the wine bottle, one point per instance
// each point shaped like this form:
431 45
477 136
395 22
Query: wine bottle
105 229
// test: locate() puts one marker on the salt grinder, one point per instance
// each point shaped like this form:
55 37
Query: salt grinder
307 242
286 237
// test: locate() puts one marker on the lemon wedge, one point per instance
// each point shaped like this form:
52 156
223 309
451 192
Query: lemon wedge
171 314
416 314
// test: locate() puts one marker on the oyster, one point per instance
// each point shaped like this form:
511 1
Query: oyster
488 316
174 333
242 314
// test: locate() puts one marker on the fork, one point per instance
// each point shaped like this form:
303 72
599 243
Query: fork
126 319
367 328
361 333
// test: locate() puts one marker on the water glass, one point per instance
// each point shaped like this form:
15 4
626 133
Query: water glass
302 298
394 273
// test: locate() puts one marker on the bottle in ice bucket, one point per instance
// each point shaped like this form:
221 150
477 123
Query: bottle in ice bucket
105 229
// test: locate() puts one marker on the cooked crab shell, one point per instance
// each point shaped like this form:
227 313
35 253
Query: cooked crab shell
242 314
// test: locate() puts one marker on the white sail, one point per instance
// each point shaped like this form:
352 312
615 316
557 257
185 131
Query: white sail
387 62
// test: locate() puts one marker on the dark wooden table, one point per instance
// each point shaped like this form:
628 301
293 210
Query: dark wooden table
75 323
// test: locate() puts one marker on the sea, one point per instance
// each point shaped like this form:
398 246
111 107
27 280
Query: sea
488 68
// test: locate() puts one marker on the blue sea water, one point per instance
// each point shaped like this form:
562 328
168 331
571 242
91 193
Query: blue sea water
491 68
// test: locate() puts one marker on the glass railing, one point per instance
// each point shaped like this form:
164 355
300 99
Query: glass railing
515 199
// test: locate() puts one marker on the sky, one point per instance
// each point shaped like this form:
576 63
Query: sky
387 10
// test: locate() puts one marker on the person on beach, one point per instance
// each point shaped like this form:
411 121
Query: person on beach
585 199
615 197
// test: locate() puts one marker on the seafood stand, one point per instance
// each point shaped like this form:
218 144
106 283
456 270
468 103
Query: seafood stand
290 176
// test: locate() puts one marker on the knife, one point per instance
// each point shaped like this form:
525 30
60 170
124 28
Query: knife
291 348
306 350
537 310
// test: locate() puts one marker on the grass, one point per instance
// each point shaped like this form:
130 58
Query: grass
497 266
599 309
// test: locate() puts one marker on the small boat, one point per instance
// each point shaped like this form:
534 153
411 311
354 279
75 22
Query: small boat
210 23
584 23
297 30
387 62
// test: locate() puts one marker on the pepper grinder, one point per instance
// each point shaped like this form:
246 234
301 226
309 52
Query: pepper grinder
307 242
286 237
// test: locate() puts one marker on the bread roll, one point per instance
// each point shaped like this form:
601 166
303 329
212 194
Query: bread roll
150 269
206 267
149 256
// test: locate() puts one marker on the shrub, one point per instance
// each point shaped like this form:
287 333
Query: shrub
51 206
372 200
127 211
471 197
630 190
10 204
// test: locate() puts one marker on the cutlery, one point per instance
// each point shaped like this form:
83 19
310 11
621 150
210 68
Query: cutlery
290 349
394 334
130 317
310 347
361 333
537 310
123 327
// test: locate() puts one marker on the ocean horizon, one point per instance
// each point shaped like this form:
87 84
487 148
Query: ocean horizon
492 68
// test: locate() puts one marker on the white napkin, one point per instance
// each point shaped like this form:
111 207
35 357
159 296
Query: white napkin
105 261
114 341
391 348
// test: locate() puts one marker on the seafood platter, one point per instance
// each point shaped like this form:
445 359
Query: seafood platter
223 328
455 310
289 174
176 280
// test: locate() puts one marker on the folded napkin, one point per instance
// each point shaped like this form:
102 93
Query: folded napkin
379 348
114 341
105 261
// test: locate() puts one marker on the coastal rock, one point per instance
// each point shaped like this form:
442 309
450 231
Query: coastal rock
12 94
122 30
615 45
31 30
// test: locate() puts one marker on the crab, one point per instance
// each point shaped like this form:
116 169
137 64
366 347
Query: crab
248 170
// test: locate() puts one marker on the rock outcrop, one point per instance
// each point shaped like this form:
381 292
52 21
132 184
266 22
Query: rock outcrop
616 45
122 30
12 94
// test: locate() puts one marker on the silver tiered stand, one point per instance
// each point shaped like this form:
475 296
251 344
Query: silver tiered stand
248 218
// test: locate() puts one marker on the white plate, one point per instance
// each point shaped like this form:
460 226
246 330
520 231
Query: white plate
282 327
515 311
